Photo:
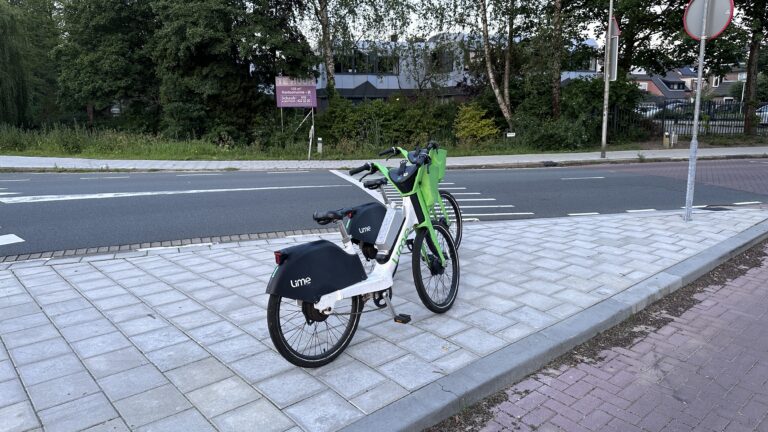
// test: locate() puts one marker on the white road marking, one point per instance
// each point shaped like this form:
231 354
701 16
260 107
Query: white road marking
9 193
466 193
285 172
581 178
47 198
446 184
470 219
10 239
641 210
697 206
497 214
104 178
376 195
475 199
583 214
489 206
453 188
14 180
195 175
747 203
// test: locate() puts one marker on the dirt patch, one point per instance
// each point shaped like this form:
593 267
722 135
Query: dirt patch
624 335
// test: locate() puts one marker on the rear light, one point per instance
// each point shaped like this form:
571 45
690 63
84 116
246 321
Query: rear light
279 257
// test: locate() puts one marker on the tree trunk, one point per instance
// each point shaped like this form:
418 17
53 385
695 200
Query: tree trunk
505 111
750 92
89 110
326 45
557 36
508 54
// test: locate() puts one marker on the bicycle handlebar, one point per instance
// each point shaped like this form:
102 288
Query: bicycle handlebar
366 167
388 151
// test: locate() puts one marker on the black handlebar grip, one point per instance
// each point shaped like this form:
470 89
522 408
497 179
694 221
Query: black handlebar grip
359 169
390 150
373 184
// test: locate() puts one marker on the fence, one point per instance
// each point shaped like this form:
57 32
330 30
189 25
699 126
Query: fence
715 118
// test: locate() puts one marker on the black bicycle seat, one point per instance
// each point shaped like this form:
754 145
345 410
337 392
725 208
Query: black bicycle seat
326 217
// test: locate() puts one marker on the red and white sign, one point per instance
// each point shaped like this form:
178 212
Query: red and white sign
295 93
719 15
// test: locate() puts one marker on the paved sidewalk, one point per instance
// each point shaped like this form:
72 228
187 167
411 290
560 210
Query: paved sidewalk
705 371
25 162
176 339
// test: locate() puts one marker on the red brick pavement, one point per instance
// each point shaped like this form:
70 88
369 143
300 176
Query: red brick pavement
705 371
745 175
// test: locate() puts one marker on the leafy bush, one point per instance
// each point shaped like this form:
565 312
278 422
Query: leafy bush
550 135
471 126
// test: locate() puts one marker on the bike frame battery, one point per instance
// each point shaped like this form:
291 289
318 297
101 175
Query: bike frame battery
390 228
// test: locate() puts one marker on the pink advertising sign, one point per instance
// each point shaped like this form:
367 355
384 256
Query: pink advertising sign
295 92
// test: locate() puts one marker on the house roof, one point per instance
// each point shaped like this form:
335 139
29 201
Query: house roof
668 93
724 89
687 72
367 90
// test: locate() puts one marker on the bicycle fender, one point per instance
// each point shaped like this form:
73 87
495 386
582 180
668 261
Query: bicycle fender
312 270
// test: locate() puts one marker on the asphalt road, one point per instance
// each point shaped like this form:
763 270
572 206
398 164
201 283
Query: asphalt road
69 211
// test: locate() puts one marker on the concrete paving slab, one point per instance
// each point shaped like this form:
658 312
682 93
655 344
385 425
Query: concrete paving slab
190 351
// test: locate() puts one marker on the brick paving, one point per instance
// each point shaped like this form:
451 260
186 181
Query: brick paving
176 339
707 370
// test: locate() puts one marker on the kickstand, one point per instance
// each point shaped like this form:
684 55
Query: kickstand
399 318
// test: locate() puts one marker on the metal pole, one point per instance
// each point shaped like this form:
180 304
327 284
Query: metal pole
607 80
311 133
695 133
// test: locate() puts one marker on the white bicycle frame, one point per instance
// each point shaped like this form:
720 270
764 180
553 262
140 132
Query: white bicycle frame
381 277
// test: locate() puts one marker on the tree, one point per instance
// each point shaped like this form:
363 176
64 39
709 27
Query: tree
217 59
756 21
103 55
15 75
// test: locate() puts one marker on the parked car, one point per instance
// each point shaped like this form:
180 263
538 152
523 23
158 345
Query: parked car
762 113
647 110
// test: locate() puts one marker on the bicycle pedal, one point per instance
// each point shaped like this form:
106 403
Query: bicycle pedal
402 318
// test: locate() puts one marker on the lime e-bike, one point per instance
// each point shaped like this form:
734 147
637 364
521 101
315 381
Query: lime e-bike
363 226
318 290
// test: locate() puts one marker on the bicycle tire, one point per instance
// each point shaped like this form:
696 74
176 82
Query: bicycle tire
423 252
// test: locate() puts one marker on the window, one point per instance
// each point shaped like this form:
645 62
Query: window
643 86
357 62
716 82
441 60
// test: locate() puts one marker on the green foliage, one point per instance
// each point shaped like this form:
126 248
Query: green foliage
762 88
104 55
375 124
15 74
471 126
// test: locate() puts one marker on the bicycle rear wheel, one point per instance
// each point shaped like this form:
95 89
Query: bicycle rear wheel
436 284
452 217
308 338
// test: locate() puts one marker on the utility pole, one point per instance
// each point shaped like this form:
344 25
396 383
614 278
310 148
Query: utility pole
606 79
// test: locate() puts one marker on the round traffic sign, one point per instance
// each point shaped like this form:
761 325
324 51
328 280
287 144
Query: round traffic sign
719 15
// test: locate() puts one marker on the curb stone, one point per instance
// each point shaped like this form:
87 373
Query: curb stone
495 372
129 250
343 165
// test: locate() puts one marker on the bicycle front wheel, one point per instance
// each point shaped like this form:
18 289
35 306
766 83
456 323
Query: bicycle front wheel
451 219
436 284
308 338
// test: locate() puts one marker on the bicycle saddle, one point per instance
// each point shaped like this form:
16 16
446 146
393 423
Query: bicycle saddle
326 217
